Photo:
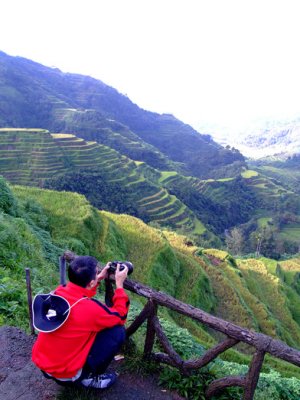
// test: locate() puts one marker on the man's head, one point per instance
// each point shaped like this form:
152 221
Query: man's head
82 270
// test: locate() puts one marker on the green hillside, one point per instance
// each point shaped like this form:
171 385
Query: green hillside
219 203
32 95
152 166
110 180
259 206
203 209
277 217
95 174
284 171
67 221
37 225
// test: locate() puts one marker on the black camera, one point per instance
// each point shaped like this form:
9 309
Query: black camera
113 266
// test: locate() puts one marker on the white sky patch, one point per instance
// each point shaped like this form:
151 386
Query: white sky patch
210 63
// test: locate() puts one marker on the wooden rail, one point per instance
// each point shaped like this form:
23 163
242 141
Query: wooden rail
234 334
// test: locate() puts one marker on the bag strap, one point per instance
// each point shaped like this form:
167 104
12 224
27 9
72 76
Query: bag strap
69 309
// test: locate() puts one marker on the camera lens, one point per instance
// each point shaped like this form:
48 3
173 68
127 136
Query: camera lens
123 264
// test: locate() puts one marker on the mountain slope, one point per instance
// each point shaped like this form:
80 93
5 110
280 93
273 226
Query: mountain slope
137 154
202 209
287 172
35 96
39 224
110 180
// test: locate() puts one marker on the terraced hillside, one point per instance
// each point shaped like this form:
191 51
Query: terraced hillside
259 205
256 293
29 156
261 294
200 208
167 210
90 125
252 201
268 190
33 157
278 205
219 203
286 175
287 172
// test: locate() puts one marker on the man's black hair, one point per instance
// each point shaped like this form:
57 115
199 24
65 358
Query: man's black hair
82 270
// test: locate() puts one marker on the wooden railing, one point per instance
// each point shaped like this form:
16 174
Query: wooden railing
234 334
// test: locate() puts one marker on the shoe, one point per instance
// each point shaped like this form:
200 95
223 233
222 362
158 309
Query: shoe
102 381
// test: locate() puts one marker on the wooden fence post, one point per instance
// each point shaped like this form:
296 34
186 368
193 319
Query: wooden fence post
253 375
29 300
150 335
62 271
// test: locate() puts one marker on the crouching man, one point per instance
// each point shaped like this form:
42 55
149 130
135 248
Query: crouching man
78 335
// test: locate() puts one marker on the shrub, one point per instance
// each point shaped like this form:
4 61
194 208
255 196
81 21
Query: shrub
8 203
194 386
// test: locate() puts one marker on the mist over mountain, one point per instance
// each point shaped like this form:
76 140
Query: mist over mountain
262 138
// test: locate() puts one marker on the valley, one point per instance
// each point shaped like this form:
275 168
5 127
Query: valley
83 168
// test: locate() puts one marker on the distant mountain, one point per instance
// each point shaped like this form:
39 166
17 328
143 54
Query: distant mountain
272 138
280 142
35 96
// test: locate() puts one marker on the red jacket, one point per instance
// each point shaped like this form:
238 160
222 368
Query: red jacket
63 353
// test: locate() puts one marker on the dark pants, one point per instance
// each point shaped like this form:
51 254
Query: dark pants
106 345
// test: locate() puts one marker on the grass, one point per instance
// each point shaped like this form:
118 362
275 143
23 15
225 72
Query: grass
247 174
263 221
255 295
164 175
224 180
83 225
62 135
291 231
142 243
22 130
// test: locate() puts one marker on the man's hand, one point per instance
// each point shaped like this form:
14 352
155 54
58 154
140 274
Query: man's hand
104 273
120 276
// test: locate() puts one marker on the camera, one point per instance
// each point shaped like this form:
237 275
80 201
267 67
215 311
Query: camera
113 266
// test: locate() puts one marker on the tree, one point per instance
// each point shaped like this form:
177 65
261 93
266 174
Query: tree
234 241
8 203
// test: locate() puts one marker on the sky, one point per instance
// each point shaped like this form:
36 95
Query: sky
214 64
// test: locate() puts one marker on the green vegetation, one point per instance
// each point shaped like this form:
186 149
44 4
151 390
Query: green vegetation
258 206
37 225
249 173
117 158
33 95
138 153
109 180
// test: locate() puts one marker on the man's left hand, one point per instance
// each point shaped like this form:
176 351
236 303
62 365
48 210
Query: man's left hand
104 273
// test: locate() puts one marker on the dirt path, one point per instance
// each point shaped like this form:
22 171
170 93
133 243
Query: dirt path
127 387
21 380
